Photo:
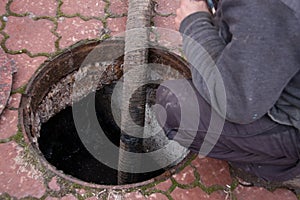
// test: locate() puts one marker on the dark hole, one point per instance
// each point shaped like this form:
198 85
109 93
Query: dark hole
62 147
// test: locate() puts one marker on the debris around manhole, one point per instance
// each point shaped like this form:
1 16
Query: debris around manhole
5 19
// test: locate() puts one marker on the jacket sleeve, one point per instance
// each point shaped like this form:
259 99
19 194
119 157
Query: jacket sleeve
244 78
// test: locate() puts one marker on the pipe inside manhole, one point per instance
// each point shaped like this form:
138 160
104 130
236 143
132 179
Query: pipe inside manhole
48 119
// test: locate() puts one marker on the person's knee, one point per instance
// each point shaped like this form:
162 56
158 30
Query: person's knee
167 93
164 95
167 108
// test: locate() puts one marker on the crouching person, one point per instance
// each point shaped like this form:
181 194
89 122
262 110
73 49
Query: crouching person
242 104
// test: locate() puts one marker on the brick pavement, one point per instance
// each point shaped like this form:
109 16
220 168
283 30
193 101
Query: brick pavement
32 31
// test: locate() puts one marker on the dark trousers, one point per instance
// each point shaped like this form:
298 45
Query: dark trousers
263 148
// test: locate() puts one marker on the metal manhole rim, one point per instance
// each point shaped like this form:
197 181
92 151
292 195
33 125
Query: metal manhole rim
34 146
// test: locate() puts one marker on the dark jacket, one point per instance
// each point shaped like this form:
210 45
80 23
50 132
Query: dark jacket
255 45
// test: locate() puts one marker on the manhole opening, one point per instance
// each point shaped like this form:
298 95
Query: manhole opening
61 146
47 115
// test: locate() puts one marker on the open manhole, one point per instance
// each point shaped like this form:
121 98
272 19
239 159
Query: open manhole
47 111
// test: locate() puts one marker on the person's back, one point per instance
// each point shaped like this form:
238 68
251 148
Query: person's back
258 57
279 22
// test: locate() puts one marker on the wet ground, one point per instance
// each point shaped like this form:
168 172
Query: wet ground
32 31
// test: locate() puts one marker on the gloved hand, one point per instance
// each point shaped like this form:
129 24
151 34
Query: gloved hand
188 7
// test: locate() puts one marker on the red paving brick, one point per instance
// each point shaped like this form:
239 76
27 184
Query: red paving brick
17 178
131 196
91 8
164 186
246 193
157 196
186 176
74 29
212 171
8 123
26 67
35 7
117 26
195 194
164 22
53 185
166 7
69 197
51 198
118 7
2 6
14 101
25 33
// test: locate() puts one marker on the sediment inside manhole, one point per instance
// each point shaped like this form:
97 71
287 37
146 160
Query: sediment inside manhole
48 116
